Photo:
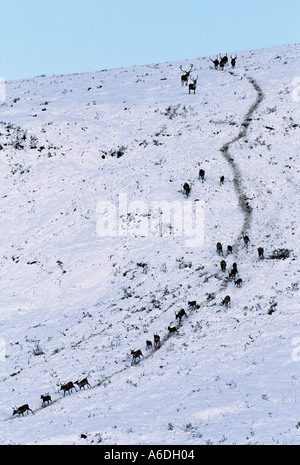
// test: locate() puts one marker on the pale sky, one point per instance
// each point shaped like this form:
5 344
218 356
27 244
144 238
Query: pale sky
73 36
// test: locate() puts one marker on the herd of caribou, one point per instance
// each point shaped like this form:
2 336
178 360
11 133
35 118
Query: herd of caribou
234 271
46 399
219 63
232 274
187 187
185 79
137 354
222 61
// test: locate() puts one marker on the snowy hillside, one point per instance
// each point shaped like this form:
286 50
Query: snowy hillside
75 302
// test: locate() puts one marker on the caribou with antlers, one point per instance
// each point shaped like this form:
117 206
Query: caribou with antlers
186 75
216 62
223 62
193 85
84 382
21 410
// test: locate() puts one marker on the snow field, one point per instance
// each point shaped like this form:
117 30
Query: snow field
75 304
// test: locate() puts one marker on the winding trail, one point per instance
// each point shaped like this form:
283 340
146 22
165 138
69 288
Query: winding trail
237 176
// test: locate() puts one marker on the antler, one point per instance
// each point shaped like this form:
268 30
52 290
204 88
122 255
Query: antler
191 67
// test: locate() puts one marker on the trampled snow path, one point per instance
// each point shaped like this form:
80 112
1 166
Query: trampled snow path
237 175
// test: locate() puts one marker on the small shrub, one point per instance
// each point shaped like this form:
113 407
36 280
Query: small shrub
280 254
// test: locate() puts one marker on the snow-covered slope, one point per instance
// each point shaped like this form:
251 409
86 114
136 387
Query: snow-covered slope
75 302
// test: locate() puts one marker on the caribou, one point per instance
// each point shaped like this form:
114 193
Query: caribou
216 62
21 410
224 61
246 240
233 273
219 248
84 382
226 301
180 314
222 180
186 75
187 189
260 251
229 249
202 174
238 282
68 387
156 340
192 303
45 399
172 329
136 354
223 265
193 85
148 345
233 61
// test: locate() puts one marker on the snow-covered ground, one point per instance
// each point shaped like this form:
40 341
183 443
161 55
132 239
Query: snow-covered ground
75 302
